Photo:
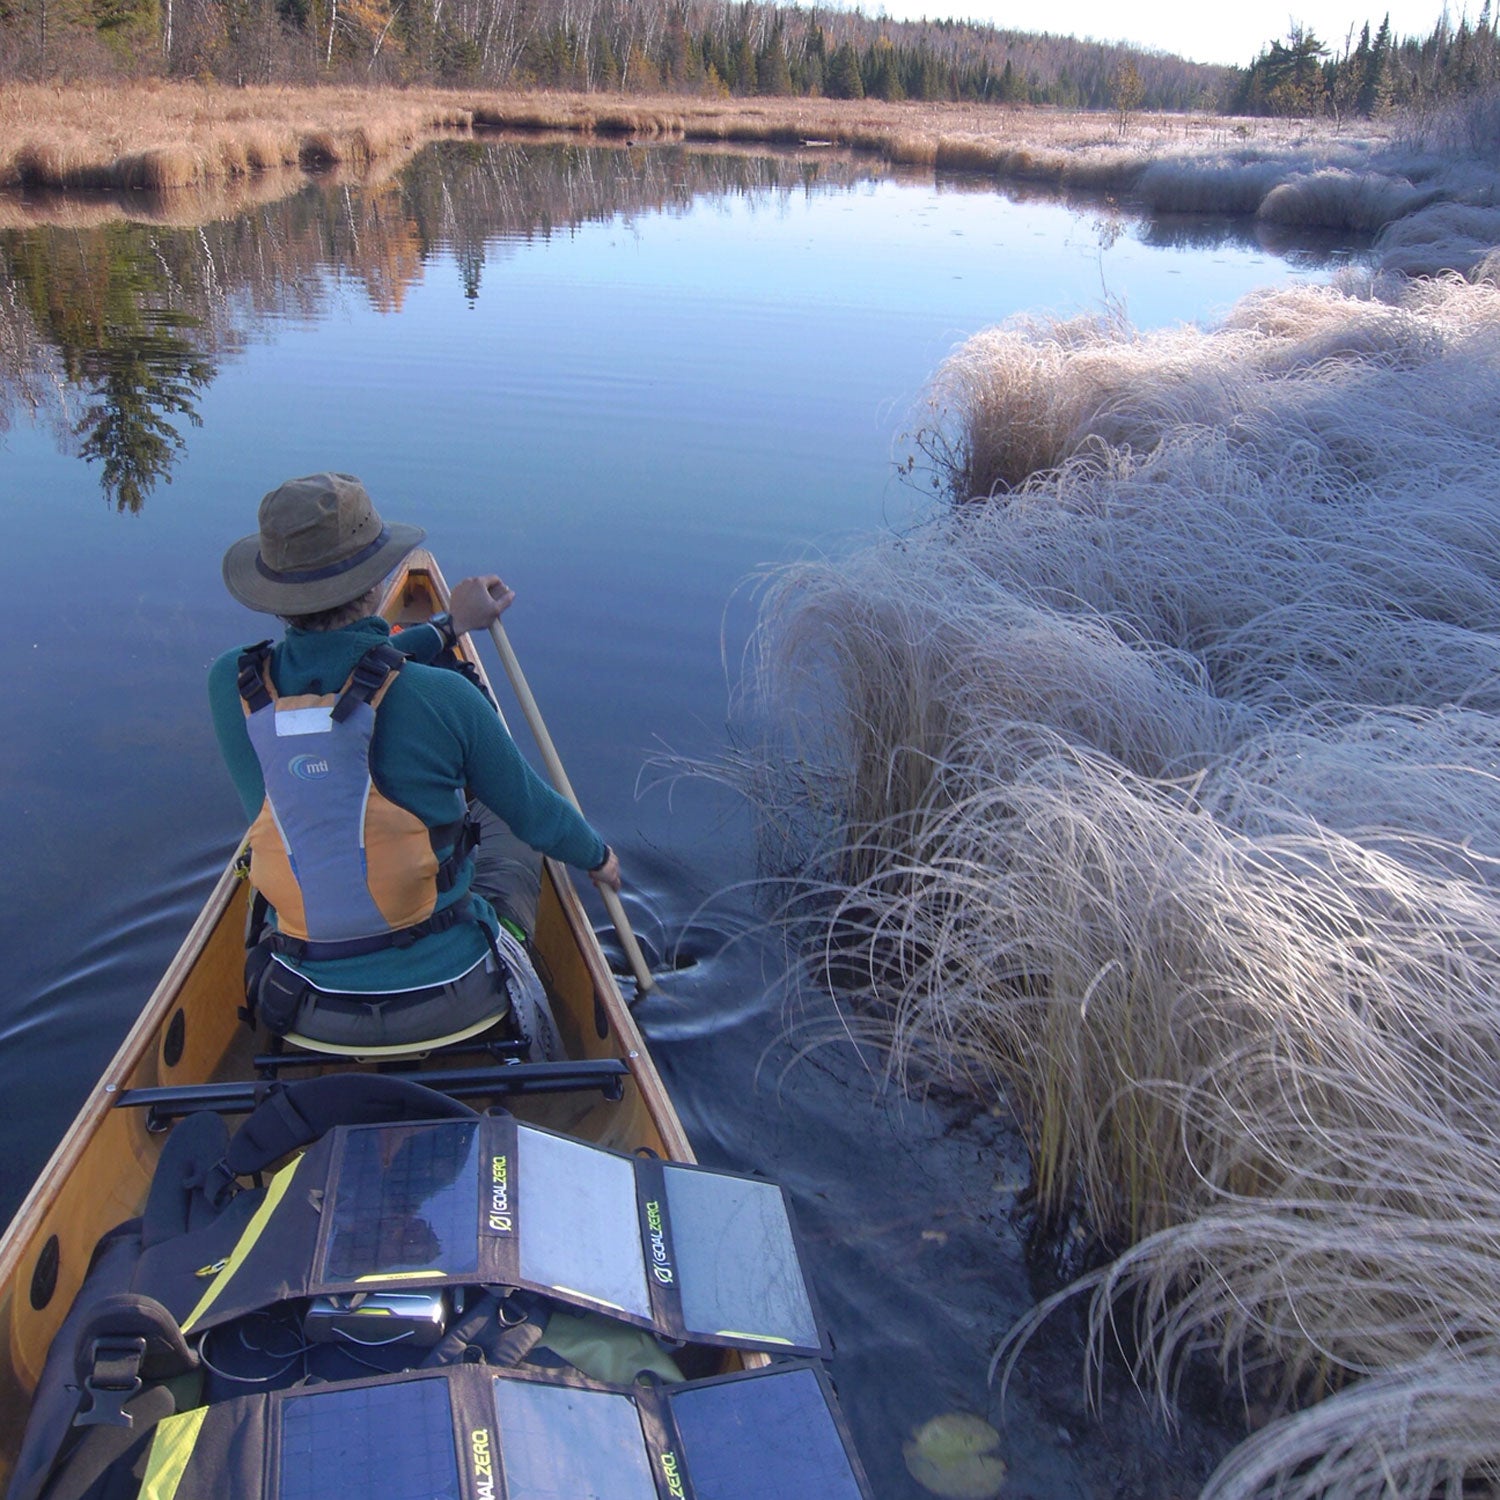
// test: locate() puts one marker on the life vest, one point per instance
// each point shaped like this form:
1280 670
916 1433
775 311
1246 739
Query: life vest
346 870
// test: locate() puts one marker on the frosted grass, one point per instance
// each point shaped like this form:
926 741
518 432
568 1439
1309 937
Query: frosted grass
1156 791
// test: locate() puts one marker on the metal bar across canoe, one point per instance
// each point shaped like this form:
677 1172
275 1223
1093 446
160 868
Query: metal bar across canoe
607 1074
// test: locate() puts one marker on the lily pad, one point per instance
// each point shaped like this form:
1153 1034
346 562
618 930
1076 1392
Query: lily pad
956 1456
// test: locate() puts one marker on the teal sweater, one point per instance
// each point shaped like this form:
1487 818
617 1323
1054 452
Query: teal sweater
434 732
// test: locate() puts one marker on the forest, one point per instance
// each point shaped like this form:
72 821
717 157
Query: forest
699 47
1371 72
729 47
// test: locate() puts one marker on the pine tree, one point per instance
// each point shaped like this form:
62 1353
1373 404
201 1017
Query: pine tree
742 79
882 73
844 81
1374 89
773 74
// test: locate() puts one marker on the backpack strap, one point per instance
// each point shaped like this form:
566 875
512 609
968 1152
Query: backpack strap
78 1470
128 1341
127 1351
368 679
251 676
296 1114
463 836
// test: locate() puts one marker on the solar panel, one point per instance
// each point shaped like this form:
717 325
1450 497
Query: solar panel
465 1432
739 1273
561 1443
405 1200
770 1437
384 1442
580 1230
688 1252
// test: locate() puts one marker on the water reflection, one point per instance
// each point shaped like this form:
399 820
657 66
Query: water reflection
1308 248
112 331
117 310
109 312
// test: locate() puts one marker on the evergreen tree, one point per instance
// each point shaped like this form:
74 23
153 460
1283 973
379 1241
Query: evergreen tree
843 79
1374 87
881 73
773 73
742 78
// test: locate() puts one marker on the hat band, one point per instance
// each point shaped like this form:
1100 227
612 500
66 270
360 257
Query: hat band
316 575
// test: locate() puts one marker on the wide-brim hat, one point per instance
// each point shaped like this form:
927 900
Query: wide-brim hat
321 544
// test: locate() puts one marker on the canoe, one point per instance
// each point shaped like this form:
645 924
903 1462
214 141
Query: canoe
189 1049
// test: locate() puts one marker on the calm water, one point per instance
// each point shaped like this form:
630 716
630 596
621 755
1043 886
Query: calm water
628 380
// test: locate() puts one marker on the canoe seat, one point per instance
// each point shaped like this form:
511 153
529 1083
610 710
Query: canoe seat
360 1052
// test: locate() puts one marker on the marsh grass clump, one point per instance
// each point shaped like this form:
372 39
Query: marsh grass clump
1340 199
1215 185
1156 791
1445 237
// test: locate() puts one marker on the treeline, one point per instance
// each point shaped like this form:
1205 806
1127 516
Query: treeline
675 46
1370 72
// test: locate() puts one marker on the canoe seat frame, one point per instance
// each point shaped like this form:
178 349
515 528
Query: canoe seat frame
604 1074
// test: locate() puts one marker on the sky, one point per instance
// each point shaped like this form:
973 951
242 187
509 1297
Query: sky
1204 30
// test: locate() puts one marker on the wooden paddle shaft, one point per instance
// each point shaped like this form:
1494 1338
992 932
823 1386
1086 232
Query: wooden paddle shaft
553 762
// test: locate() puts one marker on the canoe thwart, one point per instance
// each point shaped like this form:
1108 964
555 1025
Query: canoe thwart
607 1074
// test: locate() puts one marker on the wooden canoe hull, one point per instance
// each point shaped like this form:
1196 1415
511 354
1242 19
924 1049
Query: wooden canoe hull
189 1031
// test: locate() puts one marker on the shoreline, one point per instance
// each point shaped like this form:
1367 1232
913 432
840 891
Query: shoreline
1163 816
165 136
203 150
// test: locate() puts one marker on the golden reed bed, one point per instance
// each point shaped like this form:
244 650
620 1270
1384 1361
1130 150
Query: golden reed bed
165 136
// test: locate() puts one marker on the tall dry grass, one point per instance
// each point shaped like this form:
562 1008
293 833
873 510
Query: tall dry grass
168 137
165 137
1158 795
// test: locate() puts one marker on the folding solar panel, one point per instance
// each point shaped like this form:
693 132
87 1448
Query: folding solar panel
580 1229
395 1441
689 1253
467 1432
558 1442
751 1438
403 1200
738 1268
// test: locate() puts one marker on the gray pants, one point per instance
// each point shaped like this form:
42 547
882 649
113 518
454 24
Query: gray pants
507 873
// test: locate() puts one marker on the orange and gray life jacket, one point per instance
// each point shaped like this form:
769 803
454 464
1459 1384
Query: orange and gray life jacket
347 871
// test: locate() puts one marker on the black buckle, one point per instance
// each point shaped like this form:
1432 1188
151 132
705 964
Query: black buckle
250 680
368 677
115 1378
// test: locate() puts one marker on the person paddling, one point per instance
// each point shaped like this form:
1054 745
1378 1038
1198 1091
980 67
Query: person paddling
354 755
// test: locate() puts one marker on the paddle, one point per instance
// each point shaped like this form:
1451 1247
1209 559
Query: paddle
612 903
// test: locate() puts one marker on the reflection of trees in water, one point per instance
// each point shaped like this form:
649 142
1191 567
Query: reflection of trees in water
471 200
113 332
144 372
108 313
